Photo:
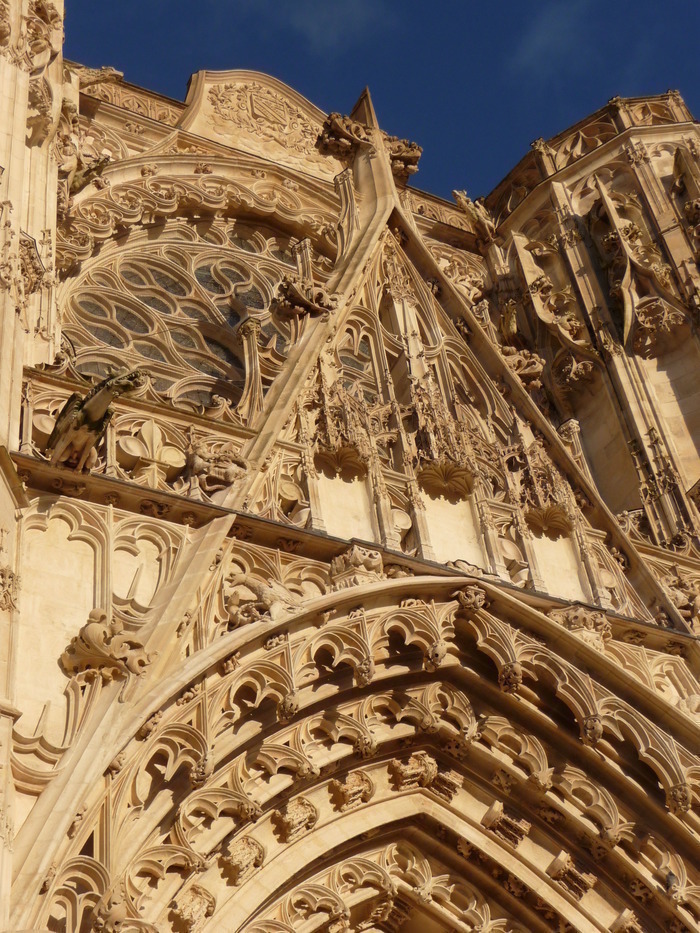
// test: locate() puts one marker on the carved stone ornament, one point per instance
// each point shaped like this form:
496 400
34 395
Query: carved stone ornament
263 112
479 215
356 789
527 366
590 625
34 273
510 829
419 771
298 296
112 915
82 422
91 77
348 428
103 649
242 857
570 373
249 599
446 784
656 320
150 459
341 134
539 487
356 566
592 730
679 798
193 908
442 447
288 706
471 599
208 470
201 771
297 817
563 870
510 676
37 41
9 588
403 155
626 922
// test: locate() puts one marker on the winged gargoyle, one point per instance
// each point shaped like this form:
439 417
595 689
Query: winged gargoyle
82 422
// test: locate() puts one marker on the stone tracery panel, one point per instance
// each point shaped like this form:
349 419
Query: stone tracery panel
176 308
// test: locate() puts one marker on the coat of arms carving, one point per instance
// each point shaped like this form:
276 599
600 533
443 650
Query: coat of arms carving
263 112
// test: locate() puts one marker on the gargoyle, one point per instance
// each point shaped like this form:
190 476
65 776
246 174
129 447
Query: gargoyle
86 171
82 422
479 215
299 296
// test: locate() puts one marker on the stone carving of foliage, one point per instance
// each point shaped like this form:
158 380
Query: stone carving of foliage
104 649
151 459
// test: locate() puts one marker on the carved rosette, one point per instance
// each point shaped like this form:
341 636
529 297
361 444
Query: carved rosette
679 798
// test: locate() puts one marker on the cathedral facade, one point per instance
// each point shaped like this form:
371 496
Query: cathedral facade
349 537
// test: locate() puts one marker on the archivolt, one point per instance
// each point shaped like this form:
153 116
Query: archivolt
310 741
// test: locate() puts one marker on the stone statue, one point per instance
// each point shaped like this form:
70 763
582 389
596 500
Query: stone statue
82 422
478 213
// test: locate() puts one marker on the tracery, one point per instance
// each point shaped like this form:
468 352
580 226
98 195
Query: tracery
194 302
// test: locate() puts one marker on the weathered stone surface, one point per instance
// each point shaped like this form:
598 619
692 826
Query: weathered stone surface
313 608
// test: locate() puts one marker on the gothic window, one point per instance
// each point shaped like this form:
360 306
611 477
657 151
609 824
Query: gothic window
173 302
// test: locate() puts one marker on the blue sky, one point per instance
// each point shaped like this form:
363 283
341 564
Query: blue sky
473 83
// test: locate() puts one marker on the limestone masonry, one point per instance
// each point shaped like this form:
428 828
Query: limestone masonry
349 538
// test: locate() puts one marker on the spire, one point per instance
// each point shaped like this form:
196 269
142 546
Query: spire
364 110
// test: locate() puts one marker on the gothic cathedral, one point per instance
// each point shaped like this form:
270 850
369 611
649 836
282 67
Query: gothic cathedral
349 537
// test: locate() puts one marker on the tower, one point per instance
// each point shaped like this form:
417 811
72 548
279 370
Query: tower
350 566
